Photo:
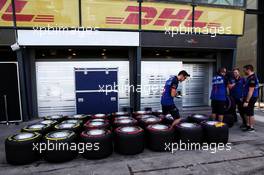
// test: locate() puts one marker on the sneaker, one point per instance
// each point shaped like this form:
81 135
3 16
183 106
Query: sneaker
246 128
242 126
251 130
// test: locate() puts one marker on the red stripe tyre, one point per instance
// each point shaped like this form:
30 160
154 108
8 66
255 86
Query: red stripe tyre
136 113
167 119
100 141
189 133
116 114
198 118
96 124
158 136
215 132
99 116
129 140
19 148
157 112
124 122
144 122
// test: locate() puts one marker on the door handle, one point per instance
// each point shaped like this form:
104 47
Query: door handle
113 99
80 100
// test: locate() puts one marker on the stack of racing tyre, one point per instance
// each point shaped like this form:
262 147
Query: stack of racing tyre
123 132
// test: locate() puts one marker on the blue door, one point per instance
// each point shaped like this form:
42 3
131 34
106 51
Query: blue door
91 94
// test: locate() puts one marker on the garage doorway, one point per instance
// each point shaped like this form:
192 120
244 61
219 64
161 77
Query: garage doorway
196 89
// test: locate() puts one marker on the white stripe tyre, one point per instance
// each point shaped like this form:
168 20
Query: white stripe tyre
189 132
129 140
19 148
215 132
198 118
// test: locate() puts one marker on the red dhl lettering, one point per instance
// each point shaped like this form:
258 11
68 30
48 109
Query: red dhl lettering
20 17
168 16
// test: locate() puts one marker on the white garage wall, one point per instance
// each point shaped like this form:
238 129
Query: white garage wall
56 84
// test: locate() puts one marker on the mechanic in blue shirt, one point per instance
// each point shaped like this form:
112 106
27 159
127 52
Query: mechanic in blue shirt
236 86
250 96
219 95
169 92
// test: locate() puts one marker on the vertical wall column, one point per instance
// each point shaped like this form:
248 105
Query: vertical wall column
260 43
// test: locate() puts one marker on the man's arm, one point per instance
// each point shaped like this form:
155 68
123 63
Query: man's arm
173 92
252 86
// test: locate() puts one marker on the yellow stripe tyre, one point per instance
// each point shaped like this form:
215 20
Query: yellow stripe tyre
19 148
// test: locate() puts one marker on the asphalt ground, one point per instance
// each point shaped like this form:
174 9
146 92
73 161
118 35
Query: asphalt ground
245 157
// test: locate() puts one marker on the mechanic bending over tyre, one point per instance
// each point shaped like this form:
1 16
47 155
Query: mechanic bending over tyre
219 95
250 96
169 92
236 85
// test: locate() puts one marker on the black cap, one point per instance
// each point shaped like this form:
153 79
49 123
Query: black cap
184 73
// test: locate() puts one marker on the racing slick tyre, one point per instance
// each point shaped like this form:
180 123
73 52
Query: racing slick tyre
20 150
97 124
124 122
148 109
101 141
229 119
129 140
82 117
230 105
167 119
52 123
136 113
100 116
118 114
38 127
61 142
74 121
198 118
158 135
189 133
76 127
145 121
157 112
58 118
215 132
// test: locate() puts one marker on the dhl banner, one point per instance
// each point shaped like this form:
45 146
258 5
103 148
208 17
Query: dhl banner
122 14
30 13
228 21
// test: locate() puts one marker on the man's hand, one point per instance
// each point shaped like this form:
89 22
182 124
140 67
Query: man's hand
245 104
